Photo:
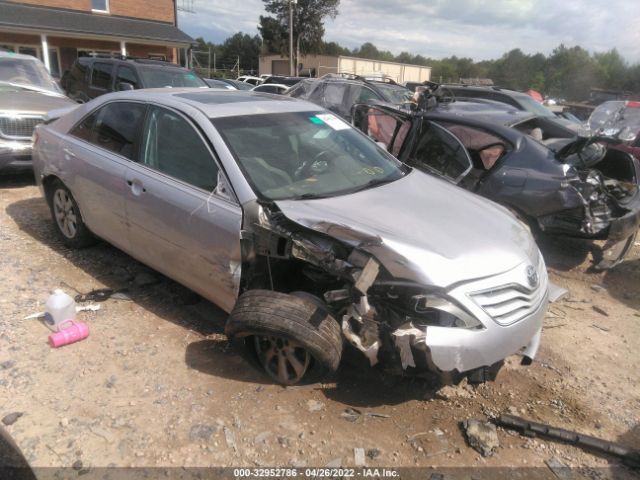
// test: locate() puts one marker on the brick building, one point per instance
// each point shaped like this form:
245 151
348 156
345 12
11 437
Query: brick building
67 29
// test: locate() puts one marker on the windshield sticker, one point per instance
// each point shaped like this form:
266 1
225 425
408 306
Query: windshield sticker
333 121
316 120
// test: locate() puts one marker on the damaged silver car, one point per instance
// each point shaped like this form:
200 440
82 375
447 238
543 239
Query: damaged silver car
301 228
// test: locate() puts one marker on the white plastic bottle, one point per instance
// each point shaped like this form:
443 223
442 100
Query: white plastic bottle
59 308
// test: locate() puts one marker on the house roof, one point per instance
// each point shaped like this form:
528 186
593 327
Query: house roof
45 20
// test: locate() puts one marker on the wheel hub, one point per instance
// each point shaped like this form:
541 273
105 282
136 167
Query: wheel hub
284 360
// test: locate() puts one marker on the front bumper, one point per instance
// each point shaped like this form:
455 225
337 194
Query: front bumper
15 154
451 352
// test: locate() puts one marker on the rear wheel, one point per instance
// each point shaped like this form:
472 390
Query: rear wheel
290 338
66 216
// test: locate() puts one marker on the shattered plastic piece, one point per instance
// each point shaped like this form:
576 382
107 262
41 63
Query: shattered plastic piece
230 438
358 457
558 468
556 292
402 338
367 276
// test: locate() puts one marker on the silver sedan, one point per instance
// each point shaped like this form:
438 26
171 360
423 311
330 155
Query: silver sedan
300 227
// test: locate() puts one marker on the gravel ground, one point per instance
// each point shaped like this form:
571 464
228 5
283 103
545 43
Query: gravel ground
157 384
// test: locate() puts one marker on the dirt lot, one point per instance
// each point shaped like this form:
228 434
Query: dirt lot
156 383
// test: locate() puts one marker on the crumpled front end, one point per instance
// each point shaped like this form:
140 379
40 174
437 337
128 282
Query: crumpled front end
601 203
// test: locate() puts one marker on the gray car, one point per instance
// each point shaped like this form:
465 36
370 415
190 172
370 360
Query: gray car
301 228
27 93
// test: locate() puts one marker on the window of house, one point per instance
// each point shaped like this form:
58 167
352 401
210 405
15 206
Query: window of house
100 5
172 146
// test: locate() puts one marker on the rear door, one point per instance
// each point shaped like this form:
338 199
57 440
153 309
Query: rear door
98 150
101 80
184 220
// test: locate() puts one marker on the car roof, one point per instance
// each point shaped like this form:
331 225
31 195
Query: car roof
217 103
481 88
20 56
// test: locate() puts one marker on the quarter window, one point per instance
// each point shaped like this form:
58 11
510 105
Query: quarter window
171 145
126 75
101 76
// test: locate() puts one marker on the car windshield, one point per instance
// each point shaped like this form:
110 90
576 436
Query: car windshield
27 73
395 93
159 77
305 155
535 107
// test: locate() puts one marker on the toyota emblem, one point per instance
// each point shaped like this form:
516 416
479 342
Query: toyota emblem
532 276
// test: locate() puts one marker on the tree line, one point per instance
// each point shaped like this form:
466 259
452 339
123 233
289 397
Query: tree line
568 72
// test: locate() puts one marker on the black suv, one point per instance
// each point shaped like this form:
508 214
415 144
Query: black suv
339 92
90 77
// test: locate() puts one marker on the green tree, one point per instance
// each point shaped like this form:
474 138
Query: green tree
308 24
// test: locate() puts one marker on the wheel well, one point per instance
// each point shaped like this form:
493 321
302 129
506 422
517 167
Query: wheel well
47 182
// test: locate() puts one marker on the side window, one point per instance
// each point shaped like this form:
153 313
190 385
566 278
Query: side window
126 75
484 148
333 94
84 130
101 75
171 145
440 152
117 126
386 129
364 95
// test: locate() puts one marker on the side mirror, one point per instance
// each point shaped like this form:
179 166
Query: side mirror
125 87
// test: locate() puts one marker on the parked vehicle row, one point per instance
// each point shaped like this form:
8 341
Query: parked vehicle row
310 234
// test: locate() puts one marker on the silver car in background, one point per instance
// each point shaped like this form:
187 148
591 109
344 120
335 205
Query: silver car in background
27 93
301 228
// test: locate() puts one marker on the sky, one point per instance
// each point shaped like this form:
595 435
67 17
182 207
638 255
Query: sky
480 29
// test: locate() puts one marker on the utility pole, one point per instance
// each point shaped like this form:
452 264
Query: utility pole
291 4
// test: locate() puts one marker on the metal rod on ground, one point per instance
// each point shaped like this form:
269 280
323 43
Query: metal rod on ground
531 429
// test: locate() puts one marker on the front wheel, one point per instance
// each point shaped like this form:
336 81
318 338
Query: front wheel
290 338
67 218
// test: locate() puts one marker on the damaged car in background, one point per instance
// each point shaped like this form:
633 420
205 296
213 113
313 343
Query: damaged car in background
301 228
552 179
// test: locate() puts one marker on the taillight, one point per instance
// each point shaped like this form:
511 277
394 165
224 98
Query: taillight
633 104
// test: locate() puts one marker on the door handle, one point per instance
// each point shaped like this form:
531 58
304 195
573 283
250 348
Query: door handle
68 152
136 187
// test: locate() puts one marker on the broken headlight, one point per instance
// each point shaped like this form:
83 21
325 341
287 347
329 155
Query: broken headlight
433 310
591 187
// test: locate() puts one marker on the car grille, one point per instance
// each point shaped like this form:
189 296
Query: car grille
508 304
18 127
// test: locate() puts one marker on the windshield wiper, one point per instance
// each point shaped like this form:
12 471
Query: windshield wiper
375 182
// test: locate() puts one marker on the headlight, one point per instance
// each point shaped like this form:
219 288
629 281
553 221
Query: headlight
433 310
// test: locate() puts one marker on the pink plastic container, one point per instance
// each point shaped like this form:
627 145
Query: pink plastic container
70 331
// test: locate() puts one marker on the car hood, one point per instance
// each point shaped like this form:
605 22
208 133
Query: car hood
422 229
32 102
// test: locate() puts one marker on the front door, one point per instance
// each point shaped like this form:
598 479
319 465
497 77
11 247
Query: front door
184 220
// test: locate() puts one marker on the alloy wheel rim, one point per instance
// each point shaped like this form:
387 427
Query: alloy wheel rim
284 360
65 214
